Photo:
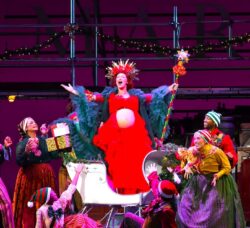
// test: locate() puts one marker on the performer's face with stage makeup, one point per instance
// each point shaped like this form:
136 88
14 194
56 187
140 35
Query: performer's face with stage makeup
31 125
208 123
199 142
121 81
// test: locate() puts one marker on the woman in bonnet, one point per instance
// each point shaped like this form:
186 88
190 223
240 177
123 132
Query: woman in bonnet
35 171
211 197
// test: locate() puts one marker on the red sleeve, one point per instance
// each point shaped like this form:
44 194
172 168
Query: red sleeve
153 182
228 147
98 97
148 97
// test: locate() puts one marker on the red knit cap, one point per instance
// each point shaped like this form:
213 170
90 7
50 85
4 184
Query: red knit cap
205 135
167 189
43 196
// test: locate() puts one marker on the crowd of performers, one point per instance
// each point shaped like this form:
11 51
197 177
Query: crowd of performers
121 125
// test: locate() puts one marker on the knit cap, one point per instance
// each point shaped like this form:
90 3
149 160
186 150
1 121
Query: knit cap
42 195
215 116
167 189
205 135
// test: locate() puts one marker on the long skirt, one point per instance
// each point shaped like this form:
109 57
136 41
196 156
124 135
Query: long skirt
30 179
202 206
6 214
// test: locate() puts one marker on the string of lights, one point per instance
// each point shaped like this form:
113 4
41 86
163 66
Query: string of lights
150 48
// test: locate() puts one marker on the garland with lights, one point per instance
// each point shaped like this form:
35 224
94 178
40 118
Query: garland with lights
167 51
31 51
74 29
69 29
140 46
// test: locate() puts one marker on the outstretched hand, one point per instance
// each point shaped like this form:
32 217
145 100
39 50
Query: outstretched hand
173 87
188 171
80 167
70 89
151 168
44 129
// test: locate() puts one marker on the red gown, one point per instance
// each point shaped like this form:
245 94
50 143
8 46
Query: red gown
124 148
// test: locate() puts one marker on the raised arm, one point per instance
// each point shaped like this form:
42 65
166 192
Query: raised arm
158 108
79 169
89 95
39 217
170 89
66 196
153 178
70 89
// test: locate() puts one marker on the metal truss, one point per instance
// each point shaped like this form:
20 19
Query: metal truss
73 61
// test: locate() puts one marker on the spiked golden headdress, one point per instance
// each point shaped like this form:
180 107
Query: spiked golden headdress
122 67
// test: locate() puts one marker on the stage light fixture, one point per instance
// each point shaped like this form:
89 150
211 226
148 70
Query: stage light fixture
11 98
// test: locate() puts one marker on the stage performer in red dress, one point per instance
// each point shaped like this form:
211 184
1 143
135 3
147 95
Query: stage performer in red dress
130 120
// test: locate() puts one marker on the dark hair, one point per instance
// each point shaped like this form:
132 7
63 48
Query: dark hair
172 202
